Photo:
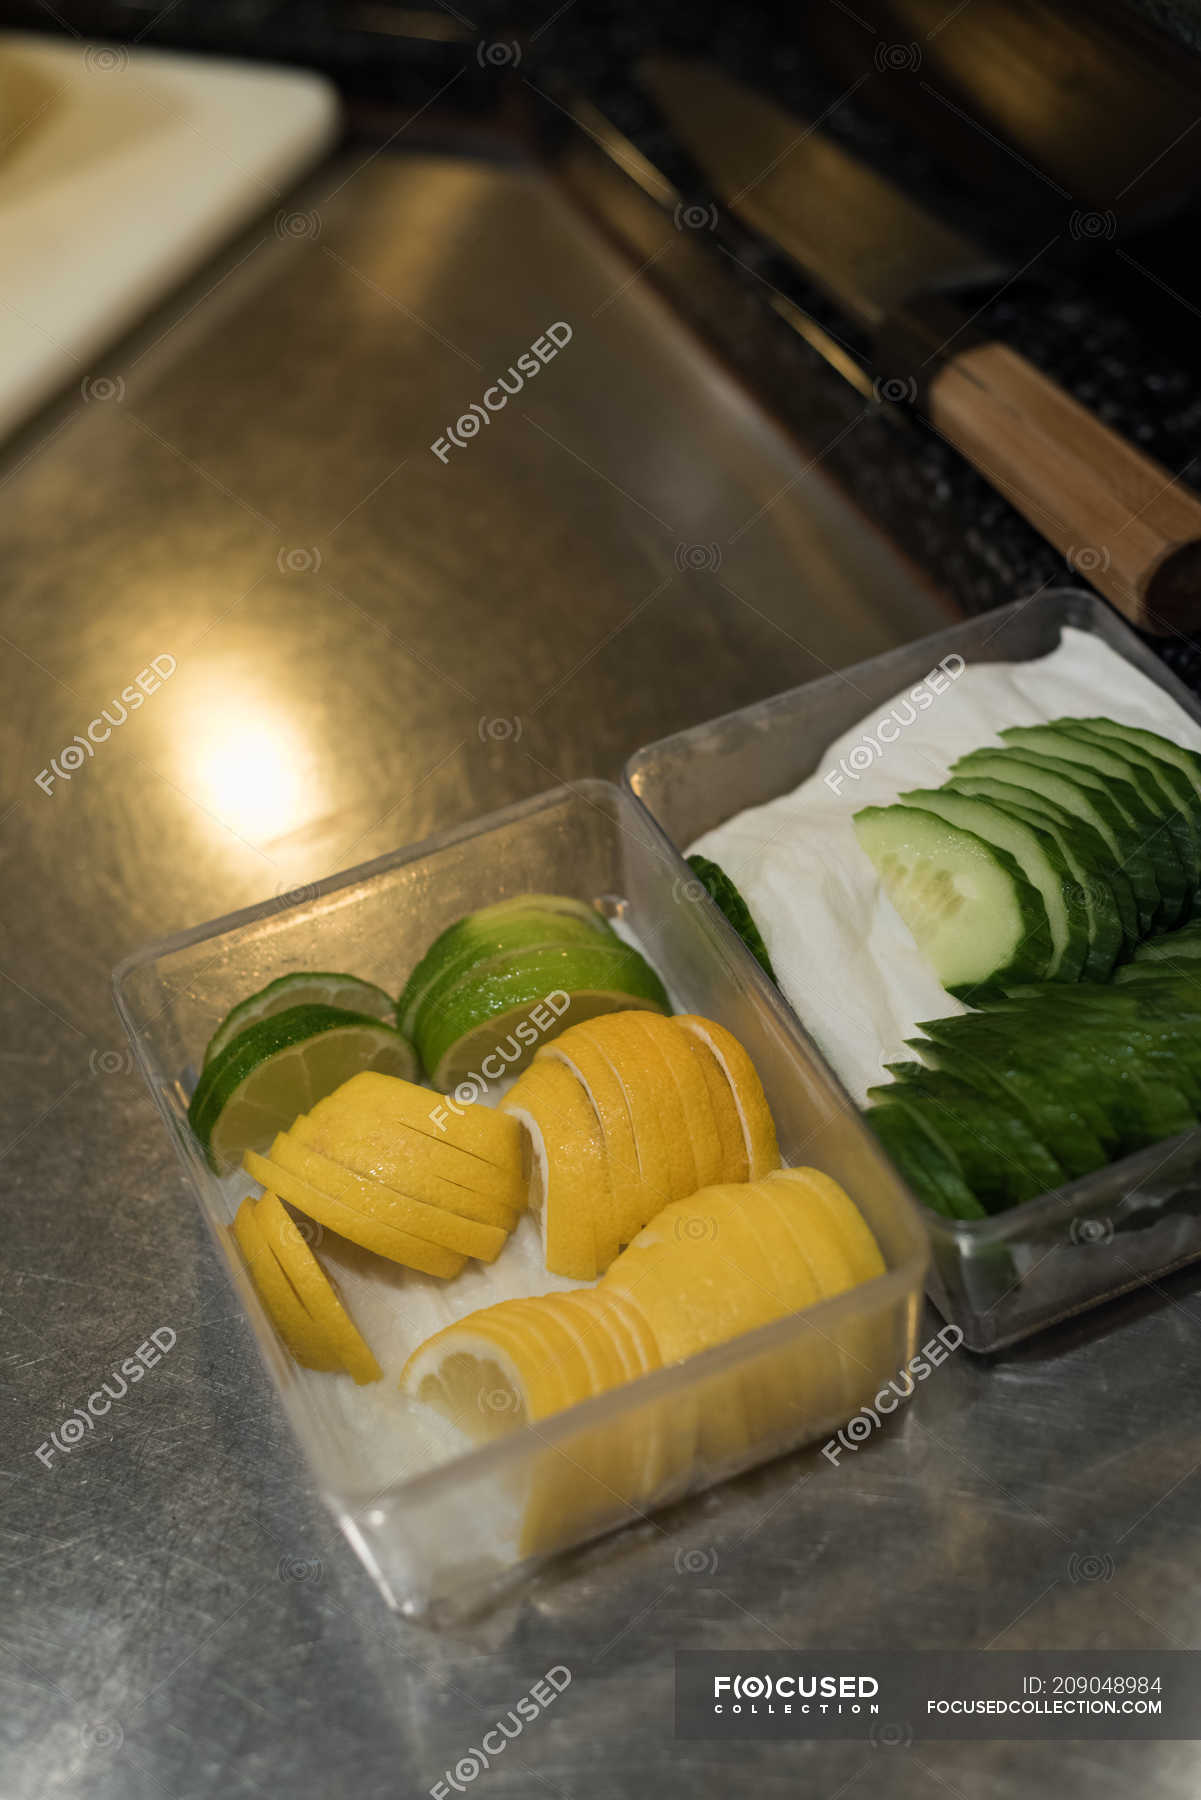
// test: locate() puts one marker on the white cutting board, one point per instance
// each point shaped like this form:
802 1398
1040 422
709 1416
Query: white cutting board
120 171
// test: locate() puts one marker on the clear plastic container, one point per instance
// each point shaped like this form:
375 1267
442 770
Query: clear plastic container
1002 1278
435 1537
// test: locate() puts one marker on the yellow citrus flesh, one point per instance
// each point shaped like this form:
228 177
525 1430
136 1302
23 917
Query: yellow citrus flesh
369 1140
758 1127
298 1331
850 1226
478 1131
734 1163
592 1068
821 1203
315 1291
639 1056
572 1180
644 1090
700 1121
418 1180
489 1373
433 1224
335 1215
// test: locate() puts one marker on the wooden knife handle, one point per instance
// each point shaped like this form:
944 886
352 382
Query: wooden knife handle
1125 523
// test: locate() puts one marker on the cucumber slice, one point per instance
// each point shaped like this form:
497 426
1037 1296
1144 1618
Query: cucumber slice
1186 762
1164 787
1036 854
1000 1158
994 1069
1170 878
1086 839
1072 787
930 1171
726 897
971 910
1088 891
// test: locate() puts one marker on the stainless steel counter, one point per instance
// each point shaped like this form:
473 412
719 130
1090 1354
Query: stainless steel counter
369 643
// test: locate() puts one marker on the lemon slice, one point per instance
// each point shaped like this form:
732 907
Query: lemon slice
335 1215
315 1291
725 1112
478 1131
754 1114
571 1181
370 1139
487 1374
644 1085
410 1173
300 1335
603 1086
642 1059
700 1123
280 1067
302 989
362 1194
850 1227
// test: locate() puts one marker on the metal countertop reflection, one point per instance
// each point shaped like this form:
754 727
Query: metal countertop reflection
354 640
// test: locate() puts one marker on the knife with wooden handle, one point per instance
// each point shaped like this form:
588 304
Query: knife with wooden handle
1122 520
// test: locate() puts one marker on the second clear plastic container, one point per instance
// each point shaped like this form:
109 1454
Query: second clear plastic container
435 1534
1002 1278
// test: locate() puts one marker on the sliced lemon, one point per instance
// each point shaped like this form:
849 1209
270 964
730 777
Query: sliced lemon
279 1068
570 1179
302 988
487 1374
478 1131
850 1226
411 1174
644 1085
699 1119
375 1200
371 1142
734 1163
335 1215
754 1114
300 1335
316 1291
601 1082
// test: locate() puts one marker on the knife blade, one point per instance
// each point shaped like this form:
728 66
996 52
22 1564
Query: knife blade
1120 519
855 234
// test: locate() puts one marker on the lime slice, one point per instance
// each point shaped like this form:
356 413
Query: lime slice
279 1068
529 919
479 1017
301 989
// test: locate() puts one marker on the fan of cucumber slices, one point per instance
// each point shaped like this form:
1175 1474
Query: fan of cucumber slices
488 990
1054 884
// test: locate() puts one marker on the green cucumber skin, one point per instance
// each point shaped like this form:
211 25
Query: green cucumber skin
726 897
1120 803
1167 791
1139 796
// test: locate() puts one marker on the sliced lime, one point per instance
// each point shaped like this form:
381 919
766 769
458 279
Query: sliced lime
275 1070
509 924
301 989
482 1013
